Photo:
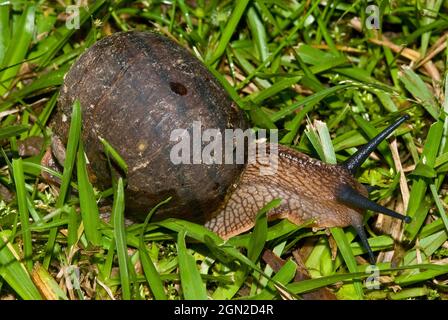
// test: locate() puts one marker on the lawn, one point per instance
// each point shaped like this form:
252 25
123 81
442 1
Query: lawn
329 75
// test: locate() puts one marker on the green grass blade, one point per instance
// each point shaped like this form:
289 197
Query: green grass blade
258 33
47 284
420 185
72 227
72 146
120 240
284 276
313 137
89 209
44 116
18 47
415 85
427 246
409 279
185 13
240 7
116 157
206 236
279 86
439 205
433 7
12 131
347 253
14 272
19 181
259 234
193 287
64 33
313 99
4 32
44 82
151 274
326 143
311 284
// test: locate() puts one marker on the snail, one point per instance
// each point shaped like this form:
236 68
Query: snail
135 88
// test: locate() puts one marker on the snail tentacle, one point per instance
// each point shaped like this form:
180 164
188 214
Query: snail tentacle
359 228
355 161
353 198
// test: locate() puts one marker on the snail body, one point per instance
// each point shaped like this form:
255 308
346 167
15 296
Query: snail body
307 187
135 88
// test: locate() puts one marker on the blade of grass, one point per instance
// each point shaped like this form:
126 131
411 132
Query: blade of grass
120 239
72 145
44 116
185 13
89 209
433 7
311 284
420 185
259 234
14 272
313 99
415 85
240 7
204 235
47 284
427 246
347 253
260 96
4 32
43 82
258 32
12 131
64 34
193 287
284 276
151 274
23 34
439 205
409 279
72 233
284 42
19 182
116 157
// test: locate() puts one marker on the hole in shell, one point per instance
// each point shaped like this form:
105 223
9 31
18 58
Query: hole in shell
178 88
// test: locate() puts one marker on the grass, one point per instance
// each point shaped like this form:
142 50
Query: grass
287 64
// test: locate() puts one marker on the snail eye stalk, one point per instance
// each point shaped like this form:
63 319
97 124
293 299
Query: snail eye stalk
355 161
351 197
362 235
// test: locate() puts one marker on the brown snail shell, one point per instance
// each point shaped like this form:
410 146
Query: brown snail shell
134 89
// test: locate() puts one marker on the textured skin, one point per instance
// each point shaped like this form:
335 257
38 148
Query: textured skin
308 189
134 89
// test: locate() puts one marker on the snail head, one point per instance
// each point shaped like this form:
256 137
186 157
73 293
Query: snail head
353 198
